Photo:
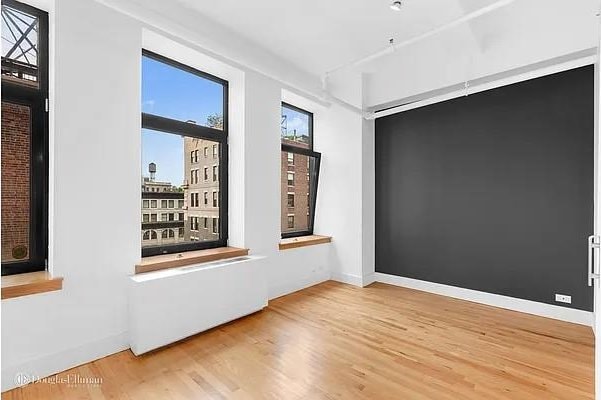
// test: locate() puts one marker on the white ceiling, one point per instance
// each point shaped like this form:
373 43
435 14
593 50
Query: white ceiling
318 35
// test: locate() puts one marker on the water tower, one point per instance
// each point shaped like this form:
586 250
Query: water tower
152 168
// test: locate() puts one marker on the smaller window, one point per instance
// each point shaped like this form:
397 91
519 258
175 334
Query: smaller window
145 204
191 177
171 217
164 217
163 203
153 204
214 151
146 235
290 200
195 155
206 151
214 199
153 235
192 228
180 204
180 232
145 217
291 221
171 203
181 216
196 200
206 173
191 199
290 179
205 223
214 173
192 156
215 225
290 158
153 218
206 198
171 233
165 234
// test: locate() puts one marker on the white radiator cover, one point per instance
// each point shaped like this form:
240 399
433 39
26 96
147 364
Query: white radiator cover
166 306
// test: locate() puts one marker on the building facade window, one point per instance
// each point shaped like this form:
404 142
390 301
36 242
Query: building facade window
206 198
214 173
204 224
153 204
145 217
24 147
214 199
145 204
299 172
206 173
215 225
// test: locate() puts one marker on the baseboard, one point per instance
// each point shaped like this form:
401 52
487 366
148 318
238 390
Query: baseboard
47 365
511 303
355 280
285 288
351 279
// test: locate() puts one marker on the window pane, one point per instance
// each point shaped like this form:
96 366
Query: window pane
19 47
296 192
296 127
16 141
166 168
173 93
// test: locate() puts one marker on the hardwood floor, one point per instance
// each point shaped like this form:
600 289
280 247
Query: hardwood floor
335 341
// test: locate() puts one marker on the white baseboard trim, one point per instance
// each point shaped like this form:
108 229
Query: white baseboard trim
351 279
51 364
511 303
369 279
285 288
355 280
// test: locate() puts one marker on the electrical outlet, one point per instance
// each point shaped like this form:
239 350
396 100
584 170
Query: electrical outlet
563 298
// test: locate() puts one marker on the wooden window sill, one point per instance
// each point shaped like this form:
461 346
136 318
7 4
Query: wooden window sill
29 283
302 241
165 261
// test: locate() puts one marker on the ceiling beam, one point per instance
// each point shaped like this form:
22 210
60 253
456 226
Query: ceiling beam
396 46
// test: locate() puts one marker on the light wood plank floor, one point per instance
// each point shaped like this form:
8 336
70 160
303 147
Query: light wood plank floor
335 341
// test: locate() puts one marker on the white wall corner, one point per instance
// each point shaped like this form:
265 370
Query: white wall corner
49 364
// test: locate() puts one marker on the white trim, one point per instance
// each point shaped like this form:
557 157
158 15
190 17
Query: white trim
351 279
355 280
511 303
54 363
509 80
285 288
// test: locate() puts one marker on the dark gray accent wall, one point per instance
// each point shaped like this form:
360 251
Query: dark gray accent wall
493 191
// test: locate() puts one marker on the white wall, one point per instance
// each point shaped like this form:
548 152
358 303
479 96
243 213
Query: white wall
95 153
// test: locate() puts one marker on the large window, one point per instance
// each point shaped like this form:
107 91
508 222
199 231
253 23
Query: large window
184 112
24 138
299 172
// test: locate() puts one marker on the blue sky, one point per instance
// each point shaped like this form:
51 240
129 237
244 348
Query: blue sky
173 93
176 94
296 120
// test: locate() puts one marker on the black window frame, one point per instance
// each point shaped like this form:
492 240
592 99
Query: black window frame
35 98
313 172
182 128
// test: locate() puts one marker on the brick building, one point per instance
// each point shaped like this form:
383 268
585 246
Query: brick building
295 185
15 181
163 212
201 166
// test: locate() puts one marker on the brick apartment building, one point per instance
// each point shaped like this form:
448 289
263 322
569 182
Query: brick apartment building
201 166
163 212
295 189
15 181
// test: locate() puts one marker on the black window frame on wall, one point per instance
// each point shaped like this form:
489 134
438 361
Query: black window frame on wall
176 127
36 99
314 167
